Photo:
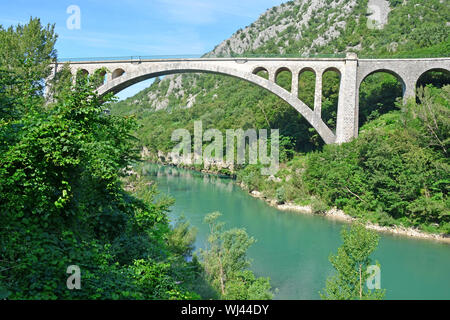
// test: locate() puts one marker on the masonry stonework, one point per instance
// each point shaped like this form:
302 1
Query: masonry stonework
124 73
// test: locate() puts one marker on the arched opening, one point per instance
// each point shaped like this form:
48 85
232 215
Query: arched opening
435 77
379 93
100 77
81 76
306 86
283 78
134 89
262 72
331 83
82 73
118 73
432 108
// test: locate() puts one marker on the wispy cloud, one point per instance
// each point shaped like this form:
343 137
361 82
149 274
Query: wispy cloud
202 11
139 27
179 42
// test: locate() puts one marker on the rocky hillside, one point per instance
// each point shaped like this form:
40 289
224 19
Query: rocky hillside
301 28
278 29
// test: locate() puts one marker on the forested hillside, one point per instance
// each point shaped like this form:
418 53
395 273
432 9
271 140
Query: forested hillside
409 192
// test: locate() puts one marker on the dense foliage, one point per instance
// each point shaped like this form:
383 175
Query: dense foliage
351 264
396 172
226 263
397 169
70 197
62 200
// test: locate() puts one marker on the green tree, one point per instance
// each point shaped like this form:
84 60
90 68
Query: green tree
351 263
27 51
226 264
433 111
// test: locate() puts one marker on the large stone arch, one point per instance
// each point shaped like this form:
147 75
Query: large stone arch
407 71
383 70
441 69
408 86
157 70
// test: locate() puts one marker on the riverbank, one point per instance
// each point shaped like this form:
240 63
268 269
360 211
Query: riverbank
333 213
336 214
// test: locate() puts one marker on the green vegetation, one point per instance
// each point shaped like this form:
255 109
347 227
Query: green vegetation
226 264
395 173
68 197
351 264
60 195
416 28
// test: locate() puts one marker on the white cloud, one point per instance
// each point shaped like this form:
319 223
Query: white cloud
204 11
174 42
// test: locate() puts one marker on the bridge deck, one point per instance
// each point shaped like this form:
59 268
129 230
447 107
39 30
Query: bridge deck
237 59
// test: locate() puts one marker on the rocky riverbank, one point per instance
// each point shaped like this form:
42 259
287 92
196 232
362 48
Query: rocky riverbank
213 167
340 215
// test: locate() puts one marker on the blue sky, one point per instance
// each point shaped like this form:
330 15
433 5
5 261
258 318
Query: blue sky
138 28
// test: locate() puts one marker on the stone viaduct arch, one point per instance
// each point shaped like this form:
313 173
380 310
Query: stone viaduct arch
124 73
407 71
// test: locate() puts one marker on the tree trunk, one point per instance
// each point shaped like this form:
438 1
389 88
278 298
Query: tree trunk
360 283
222 285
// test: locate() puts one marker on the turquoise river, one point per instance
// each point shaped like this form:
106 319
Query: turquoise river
293 249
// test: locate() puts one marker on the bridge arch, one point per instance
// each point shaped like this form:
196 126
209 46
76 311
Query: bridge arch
378 94
282 69
128 79
408 83
332 69
262 72
330 94
305 69
305 76
384 70
259 69
82 72
117 73
426 77
101 72
283 72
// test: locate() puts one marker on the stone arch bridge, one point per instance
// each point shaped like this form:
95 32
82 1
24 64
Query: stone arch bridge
124 73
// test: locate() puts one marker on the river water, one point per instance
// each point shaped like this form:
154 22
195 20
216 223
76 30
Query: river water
293 249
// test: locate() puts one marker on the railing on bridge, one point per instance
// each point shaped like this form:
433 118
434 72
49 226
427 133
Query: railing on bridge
198 56
131 58
252 55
